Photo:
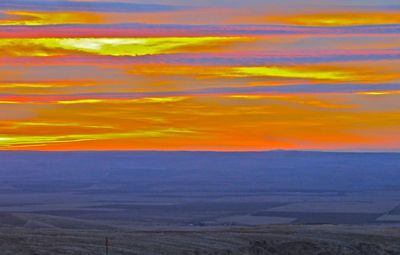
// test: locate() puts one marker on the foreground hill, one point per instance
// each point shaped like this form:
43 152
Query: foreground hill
272 240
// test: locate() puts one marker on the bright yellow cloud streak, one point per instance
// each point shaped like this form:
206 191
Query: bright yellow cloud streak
82 101
23 140
8 102
145 100
291 72
379 93
256 97
25 85
159 99
106 46
329 73
46 84
339 19
310 101
40 18
54 124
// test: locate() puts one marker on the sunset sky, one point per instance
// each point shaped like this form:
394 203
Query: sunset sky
229 75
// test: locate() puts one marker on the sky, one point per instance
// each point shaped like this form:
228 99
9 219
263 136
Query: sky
200 75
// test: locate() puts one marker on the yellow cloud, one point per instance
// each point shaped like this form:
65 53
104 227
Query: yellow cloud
23 140
40 18
290 72
25 85
144 100
379 93
8 102
81 101
308 72
339 19
55 124
159 99
255 97
106 46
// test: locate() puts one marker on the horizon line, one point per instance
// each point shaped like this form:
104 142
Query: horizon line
214 151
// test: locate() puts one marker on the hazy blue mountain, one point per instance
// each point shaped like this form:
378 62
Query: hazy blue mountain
194 171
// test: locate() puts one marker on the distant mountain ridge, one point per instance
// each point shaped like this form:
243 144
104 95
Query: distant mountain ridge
274 170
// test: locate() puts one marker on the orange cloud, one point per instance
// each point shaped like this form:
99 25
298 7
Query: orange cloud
237 122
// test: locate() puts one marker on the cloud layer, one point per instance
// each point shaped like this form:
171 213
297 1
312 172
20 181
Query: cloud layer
210 75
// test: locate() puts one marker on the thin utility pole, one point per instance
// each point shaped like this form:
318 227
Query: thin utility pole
107 245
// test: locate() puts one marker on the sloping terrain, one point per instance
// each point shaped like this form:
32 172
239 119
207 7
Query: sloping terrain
272 240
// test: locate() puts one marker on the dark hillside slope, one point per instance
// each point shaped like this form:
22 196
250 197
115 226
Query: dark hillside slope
282 240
